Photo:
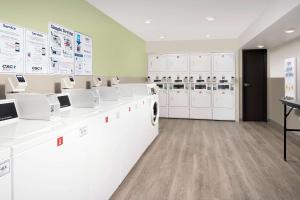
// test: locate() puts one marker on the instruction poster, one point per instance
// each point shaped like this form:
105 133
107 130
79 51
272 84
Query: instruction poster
61 47
83 54
36 52
290 78
11 48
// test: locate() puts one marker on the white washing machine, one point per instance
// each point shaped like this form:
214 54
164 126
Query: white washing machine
179 96
161 81
5 174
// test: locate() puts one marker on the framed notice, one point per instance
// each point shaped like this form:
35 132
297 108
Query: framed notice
36 52
83 54
290 78
11 48
61 49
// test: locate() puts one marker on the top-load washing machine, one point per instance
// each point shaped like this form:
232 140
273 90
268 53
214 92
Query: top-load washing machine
160 79
223 77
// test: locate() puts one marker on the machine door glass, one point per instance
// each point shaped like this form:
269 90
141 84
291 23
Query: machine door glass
200 63
178 63
223 99
201 99
178 98
200 87
223 63
178 86
157 63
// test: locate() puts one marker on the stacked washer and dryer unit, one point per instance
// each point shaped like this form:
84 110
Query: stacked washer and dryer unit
195 86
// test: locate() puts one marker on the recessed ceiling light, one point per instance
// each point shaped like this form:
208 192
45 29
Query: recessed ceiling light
148 21
209 18
289 31
207 36
162 37
260 46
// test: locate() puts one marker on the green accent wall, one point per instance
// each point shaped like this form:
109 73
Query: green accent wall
116 51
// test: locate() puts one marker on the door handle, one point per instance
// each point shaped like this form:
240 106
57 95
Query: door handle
247 84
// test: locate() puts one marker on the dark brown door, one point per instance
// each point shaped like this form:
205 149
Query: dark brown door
255 85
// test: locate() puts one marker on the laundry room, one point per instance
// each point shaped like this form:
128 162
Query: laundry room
154 100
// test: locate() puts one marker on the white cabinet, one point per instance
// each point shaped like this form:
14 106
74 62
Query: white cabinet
5 174
157 63
55 169
223 62
177 63
200 63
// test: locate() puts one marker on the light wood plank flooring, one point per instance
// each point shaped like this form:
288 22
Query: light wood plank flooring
208 160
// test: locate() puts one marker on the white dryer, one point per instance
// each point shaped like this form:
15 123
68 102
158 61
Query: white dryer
157 63
223 77
177 63
223 102
200 97
179 96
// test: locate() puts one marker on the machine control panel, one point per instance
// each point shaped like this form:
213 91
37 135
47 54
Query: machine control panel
4 168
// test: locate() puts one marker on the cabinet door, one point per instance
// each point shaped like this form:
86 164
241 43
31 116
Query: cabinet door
200 63
56 169
223 99
157 63
177 63
223 62
163 98
201 99
178 98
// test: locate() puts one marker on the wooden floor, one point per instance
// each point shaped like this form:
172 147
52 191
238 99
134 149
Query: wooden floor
208 160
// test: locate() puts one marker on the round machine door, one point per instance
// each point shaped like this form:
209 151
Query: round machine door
154 113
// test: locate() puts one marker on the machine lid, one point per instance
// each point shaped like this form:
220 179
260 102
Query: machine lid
25 128
20 78
8 111
64 101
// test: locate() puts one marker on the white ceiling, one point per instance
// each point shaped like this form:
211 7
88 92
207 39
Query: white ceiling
184 19
275 35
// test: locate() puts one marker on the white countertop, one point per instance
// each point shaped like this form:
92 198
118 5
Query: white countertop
25 133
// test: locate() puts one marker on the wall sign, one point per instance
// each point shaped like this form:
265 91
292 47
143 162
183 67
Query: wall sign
83 54
290 78
36 52
11 48
61 47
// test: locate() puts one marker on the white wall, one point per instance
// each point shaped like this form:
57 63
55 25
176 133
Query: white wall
202 46
279 54
276 80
